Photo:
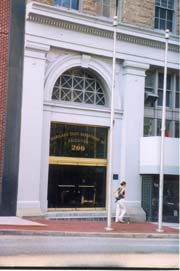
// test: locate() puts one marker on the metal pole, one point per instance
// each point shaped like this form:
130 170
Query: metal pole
109 228
161 179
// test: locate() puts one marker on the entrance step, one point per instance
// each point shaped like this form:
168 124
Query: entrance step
80 215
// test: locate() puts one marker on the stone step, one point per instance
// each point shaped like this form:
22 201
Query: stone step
76 215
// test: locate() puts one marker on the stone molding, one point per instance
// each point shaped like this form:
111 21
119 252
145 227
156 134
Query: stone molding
41 19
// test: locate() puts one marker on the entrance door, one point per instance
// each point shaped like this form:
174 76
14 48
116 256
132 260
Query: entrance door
76 186
77 166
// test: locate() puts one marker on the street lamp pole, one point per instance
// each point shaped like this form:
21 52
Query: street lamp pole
109 228
161 179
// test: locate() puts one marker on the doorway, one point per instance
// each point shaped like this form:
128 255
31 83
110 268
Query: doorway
77 166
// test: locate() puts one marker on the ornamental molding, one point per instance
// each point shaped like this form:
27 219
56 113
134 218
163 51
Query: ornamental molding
41 19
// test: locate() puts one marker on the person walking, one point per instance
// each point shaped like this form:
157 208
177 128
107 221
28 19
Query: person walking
120 203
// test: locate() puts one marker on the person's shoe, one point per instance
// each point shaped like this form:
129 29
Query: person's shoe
121 221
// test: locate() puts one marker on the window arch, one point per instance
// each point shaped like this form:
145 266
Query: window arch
80 86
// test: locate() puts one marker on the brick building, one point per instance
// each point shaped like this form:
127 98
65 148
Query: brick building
12 15
64 148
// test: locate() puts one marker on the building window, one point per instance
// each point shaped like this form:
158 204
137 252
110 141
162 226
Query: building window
71 4
79 86
164 11
168 91
176 132
105 8
168 125
177 96
148 127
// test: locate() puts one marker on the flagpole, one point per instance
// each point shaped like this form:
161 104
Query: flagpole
161 178
110 158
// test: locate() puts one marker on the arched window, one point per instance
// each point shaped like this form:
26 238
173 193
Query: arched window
80 86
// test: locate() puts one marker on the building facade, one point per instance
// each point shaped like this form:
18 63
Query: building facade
66 107
12 21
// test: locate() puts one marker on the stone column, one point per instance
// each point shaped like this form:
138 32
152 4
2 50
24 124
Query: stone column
31 130
132 131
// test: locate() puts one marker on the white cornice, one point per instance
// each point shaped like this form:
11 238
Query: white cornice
79 22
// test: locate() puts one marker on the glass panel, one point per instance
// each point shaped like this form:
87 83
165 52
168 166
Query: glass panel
160 80
169 25
78 141
75 4
169 15
77 83
176 129
158 127
158 2
55 95
168 98
76 186
162 24
66 81
77 96
149 80
157 11
156 25
89 98
160 98
106 11
171 4
168 128
164 3
66 3
162 13
177 84
148 127
66 95
168 81
177 100
99 8
58 2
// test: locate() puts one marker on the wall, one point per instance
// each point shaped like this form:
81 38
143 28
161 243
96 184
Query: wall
150 155
139 12
4 34
11 111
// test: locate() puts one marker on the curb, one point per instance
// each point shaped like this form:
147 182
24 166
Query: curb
89 234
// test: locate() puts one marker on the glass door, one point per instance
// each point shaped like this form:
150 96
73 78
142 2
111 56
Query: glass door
76 187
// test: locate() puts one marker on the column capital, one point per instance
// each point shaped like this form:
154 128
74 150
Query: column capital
135 68
36 50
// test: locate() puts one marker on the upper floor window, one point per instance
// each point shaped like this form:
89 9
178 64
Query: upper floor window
164 11
71 4
105 8
154 84
80 86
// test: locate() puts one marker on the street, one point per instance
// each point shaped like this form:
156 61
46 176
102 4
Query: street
88 252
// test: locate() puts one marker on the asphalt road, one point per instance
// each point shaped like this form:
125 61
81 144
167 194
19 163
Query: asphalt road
35 251
42 245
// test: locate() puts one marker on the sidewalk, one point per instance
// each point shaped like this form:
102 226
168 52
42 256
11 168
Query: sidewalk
19 226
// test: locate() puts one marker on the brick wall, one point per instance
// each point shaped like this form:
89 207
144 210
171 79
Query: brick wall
4 28
139 12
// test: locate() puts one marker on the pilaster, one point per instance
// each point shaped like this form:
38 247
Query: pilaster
31 130
132 131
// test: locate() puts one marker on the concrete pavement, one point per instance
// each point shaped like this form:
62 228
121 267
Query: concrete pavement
42 226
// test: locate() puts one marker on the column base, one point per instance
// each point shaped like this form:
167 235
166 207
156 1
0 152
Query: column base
29 208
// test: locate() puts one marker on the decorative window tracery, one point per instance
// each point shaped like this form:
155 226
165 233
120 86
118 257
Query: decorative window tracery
79 86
